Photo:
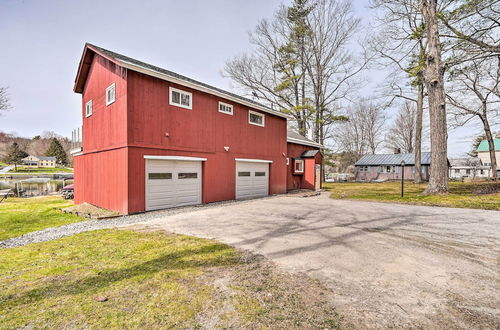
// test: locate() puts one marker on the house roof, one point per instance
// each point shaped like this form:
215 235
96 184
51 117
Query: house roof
483 146
309 153
149 69
465 162
42 157
294 137
393 159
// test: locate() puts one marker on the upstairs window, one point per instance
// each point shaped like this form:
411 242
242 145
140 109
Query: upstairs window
255 118
88 109
225 108
181 98
299 166
110 94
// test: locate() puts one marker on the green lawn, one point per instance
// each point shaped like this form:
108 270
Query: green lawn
466 195
3 164
151 280
19 216
38 170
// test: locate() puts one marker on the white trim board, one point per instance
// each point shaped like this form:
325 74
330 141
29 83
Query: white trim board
306 143
248 160
175 158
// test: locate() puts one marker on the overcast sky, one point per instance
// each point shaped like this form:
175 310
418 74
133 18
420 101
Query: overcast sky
42 42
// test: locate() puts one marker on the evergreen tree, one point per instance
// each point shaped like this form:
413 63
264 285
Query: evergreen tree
15 155
55 149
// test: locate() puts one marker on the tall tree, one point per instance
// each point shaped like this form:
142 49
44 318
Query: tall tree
402 133
433 75
471 97
15 155
56 150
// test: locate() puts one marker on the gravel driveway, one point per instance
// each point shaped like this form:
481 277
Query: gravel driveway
389 265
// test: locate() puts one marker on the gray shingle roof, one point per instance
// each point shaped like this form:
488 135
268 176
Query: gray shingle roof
465 162
393 159
46 158
294 137
309 153
147 66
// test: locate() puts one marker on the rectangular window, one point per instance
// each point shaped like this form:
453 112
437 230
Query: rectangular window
160 176
181 98
260 173
187 176
482 171
457 171
363 168
88 109
299 166
255 118
467 171
110 94
225 108
243 173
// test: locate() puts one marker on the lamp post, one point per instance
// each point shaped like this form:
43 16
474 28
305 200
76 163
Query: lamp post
402 177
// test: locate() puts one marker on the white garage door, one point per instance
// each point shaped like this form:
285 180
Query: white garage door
252 179
171 183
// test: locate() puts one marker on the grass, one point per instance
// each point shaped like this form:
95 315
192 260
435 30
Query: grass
463 195
38 170
149 280
19 216
2 164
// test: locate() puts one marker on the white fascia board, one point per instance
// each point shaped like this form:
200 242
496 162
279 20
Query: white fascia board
306 143
76 151
175 158
181 82
248 160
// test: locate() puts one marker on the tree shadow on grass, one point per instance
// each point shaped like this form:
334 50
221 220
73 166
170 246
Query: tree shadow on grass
177 261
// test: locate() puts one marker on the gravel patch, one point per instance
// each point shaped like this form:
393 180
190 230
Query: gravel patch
53 233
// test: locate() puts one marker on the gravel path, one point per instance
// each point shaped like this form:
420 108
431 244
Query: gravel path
53 233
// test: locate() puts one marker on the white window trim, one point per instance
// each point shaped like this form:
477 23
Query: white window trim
258 114
227 105
298 161
250 160
185 158
87 113
172 89
113 87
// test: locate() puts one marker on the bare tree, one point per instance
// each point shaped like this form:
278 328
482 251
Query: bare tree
402 133
363 132
471 97
4 99
433 75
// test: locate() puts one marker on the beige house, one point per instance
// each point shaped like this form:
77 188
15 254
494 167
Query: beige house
40 161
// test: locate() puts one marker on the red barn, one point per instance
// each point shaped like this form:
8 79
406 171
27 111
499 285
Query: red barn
154 139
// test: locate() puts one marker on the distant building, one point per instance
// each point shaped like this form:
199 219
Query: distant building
388 167
483 153
462 168
40 161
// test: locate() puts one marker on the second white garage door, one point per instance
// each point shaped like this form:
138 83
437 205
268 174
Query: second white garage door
252 179
171 183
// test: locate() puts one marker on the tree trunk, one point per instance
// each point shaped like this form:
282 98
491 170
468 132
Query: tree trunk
434 80
491 146
418 133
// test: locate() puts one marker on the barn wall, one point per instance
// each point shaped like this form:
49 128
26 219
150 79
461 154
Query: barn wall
106 128
101 179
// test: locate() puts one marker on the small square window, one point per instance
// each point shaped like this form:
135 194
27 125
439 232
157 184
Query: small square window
299 166
181 98
88 109
255 118
225 108
110 94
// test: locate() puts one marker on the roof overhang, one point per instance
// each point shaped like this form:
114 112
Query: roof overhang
86 61
305 143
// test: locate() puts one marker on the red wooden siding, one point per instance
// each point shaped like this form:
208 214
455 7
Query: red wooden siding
101 179
307 179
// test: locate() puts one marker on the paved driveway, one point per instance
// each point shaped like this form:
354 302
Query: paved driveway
389 265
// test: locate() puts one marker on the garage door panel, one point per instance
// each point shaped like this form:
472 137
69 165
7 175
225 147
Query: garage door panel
171 183
252 179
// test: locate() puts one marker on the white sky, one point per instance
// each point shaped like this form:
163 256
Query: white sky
42 42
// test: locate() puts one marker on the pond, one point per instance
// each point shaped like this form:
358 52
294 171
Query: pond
33 188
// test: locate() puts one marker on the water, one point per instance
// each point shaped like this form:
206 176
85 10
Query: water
35 189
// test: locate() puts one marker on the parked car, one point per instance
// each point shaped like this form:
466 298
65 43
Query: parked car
68 191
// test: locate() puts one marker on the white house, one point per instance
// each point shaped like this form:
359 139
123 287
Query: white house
483 153
468 168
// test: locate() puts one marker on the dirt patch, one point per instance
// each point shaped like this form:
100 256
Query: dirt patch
90 211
